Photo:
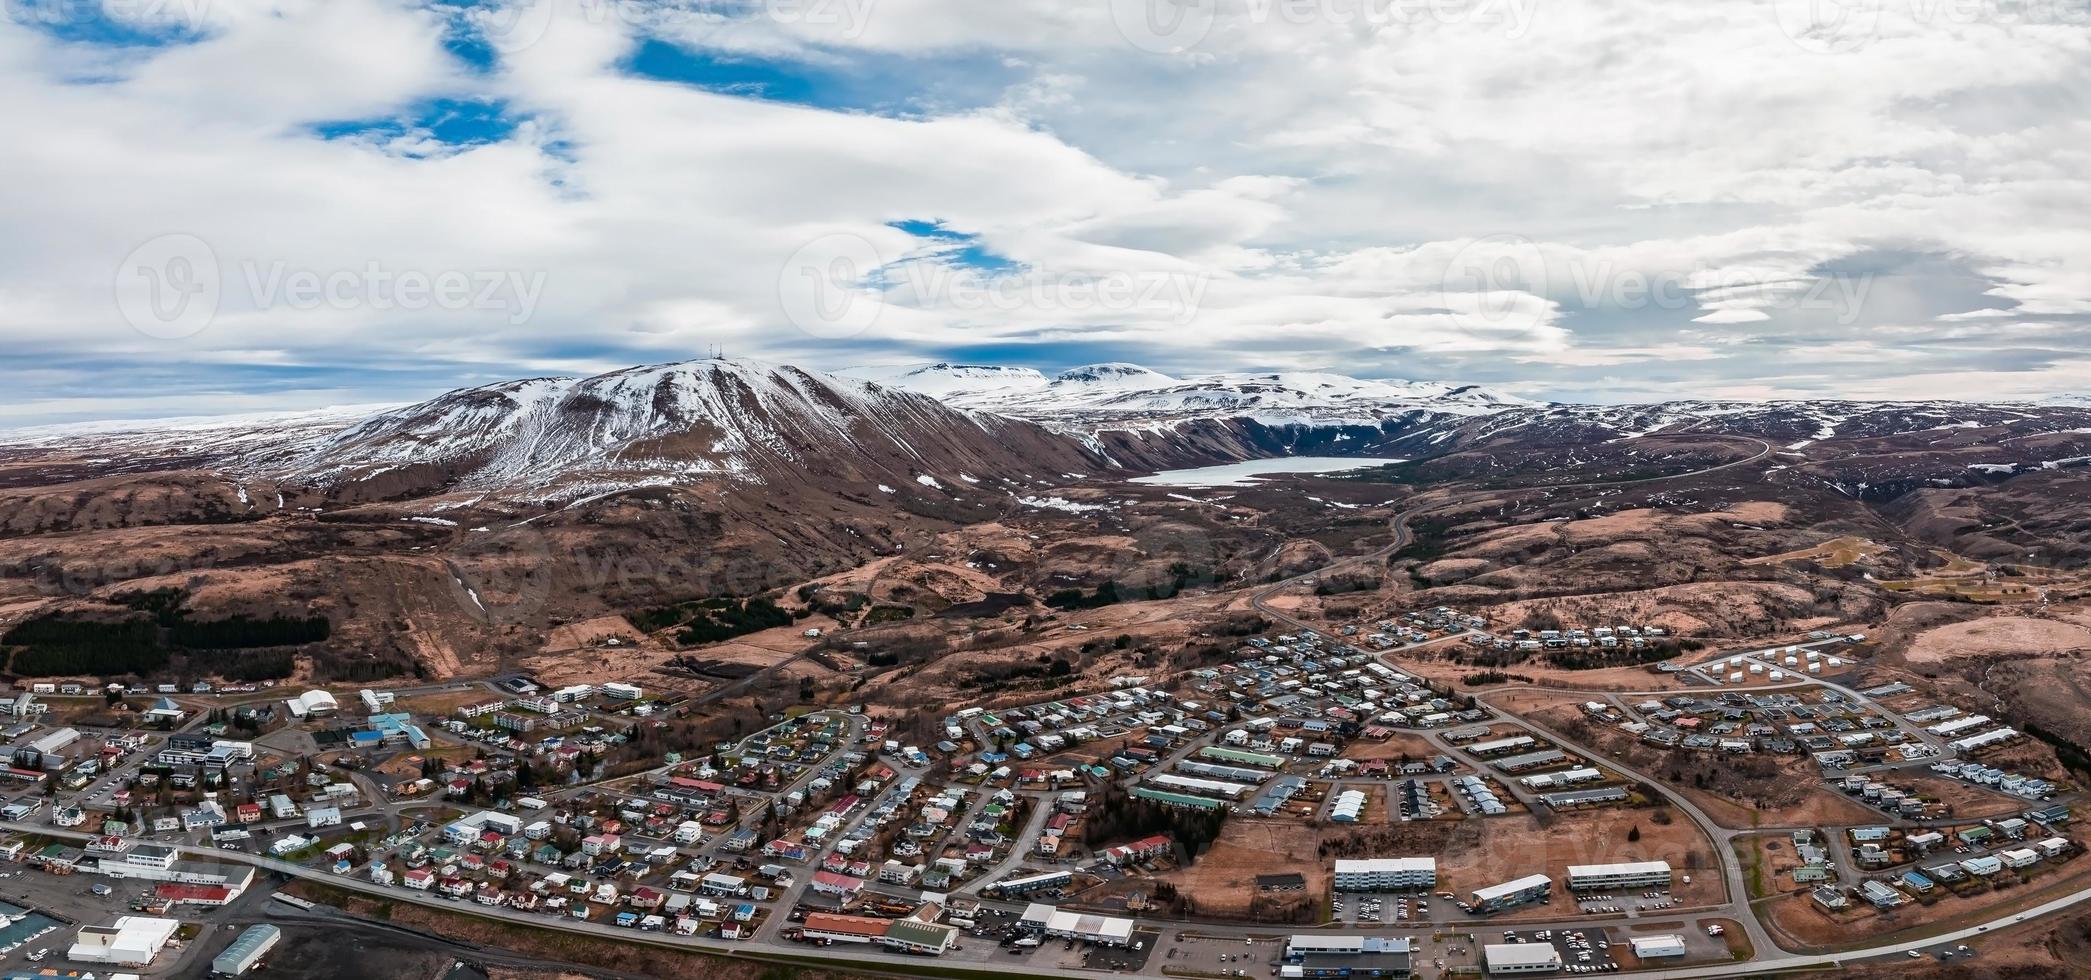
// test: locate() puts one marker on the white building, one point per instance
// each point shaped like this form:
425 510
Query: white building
1386 874
134 940
1658 947
312 704
1638 874
1102 930
1509 958
375 702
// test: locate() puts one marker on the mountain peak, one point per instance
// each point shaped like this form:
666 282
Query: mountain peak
1113 372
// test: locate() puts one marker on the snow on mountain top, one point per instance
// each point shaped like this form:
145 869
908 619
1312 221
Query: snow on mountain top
945 380
1127 391
255 421
1116 374
718 416
2064 401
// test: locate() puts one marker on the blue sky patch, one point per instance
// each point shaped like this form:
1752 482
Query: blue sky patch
856 82
956 247
452 122
88 22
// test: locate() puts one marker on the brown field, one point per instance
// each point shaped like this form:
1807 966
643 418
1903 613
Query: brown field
1429 663
442 703
1399 746
1767 863
1835 553
1471 853
1510 847
1818 806
1967 801
1999 635
1224 879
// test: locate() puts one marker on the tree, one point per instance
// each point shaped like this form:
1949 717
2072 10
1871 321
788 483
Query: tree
1633 834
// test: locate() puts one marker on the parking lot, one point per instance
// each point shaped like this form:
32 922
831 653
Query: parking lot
1582 950
1223 957
1636 902
1370 910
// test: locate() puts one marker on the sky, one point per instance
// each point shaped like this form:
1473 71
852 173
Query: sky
217 206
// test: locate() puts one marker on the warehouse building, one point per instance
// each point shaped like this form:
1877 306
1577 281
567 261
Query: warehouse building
133 940
916 936
246 952
1638 874
1386 874
1099 929
1318 957
1502 745
1658 947
1504 959
845 928
1510 894
1571 799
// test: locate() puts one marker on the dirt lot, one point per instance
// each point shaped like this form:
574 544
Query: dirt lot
441 704
1835 553
1471 853
1511 847
2015 635
1435 663
1224 879
1968 802
1767 862
1397 747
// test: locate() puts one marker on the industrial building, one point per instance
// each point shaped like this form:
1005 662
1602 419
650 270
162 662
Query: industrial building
916 936
1386 874
1571 799
1658 947
845 928
1510 958
1638 874
1317 956
246 951
1102 930
133 940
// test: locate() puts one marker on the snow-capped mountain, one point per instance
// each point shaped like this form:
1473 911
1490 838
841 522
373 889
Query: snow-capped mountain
951 381
723 422
1098 395
666 424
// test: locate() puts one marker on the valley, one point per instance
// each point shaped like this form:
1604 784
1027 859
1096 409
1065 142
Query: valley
1001 635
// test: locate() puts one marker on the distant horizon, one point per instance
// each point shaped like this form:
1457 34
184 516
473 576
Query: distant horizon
357 409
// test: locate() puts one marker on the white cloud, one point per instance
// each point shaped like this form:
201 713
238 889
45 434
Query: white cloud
1294 193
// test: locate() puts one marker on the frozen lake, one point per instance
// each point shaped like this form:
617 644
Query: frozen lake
1245 474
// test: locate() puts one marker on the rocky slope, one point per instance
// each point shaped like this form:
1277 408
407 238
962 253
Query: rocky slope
671 424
